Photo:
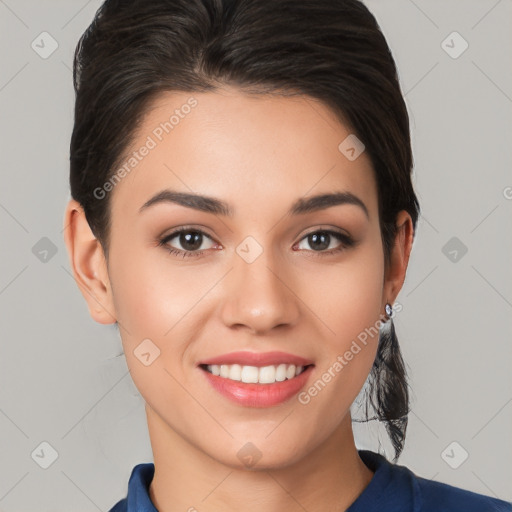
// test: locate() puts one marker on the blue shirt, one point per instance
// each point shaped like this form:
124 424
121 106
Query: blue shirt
393 488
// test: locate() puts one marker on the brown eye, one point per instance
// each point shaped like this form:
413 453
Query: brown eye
321 240
190 240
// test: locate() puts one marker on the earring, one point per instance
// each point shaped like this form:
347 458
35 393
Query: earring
389 310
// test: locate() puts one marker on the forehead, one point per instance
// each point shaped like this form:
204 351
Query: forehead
250 150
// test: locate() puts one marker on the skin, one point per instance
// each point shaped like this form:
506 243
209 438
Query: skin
259 154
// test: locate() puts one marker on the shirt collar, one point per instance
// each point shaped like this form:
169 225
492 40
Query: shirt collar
392 487
138 499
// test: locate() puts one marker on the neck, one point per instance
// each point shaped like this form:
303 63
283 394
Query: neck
330 477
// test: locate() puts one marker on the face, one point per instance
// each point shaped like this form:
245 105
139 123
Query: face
270 276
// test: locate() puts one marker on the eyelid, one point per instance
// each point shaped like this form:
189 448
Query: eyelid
328 228
186 227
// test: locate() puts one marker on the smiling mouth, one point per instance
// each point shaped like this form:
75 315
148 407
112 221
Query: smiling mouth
254 374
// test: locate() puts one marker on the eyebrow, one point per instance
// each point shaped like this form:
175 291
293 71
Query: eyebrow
218 207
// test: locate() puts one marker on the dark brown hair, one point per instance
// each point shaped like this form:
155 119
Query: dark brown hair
330 50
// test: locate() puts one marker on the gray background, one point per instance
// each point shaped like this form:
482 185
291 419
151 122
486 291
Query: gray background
62 380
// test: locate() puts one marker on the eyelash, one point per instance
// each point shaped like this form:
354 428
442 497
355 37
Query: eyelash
346 242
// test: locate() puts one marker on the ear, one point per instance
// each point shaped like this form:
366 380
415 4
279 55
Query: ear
88 264
399 258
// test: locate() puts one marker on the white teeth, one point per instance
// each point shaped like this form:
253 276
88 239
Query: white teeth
254 374
267 375
250 374
290 372
235 372
281 373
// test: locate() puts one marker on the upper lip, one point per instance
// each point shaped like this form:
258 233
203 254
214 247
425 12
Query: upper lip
257 359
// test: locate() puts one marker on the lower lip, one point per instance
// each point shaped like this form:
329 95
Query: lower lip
258 395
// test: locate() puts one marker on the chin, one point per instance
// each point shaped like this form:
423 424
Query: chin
258 456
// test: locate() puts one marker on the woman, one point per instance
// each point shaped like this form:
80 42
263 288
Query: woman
242 208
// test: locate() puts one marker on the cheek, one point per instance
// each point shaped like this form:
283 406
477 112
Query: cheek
347 300
155 301
347 296
152 297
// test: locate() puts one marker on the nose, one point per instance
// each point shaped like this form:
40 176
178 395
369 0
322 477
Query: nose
259 296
